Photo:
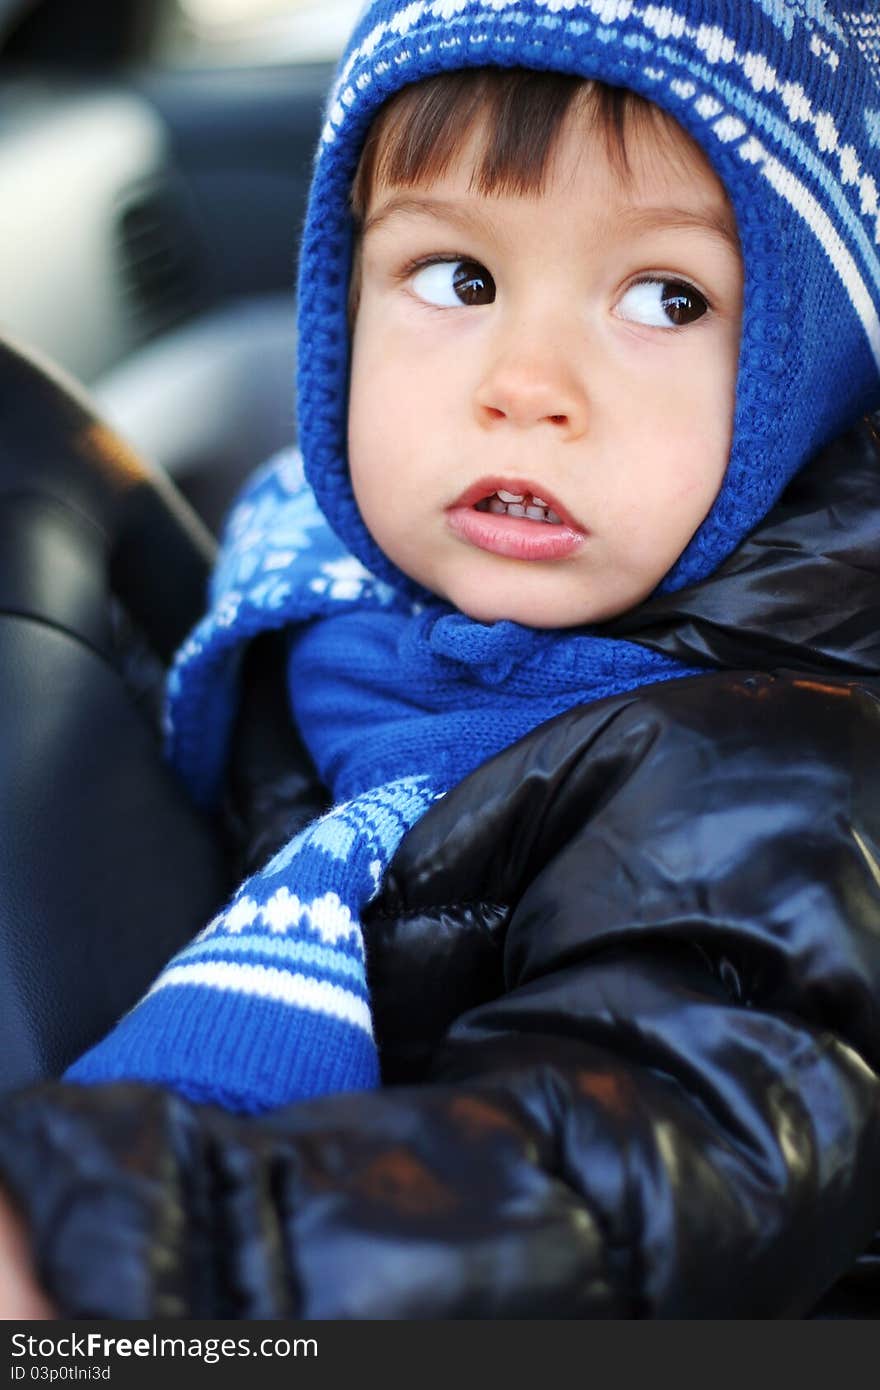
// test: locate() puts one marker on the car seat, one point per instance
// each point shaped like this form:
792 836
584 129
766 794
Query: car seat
105 867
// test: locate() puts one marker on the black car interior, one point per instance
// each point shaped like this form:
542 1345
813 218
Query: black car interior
147 254
106 869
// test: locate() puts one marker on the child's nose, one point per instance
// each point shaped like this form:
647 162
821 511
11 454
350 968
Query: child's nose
527 388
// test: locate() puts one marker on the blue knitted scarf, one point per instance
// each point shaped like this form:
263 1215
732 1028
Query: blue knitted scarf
396 701
397 696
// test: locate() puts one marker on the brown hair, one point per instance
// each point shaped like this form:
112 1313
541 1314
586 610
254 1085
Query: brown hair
418 132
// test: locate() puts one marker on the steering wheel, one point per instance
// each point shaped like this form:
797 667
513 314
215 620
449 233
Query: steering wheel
105 868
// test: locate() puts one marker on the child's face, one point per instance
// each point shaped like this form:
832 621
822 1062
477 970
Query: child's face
528 345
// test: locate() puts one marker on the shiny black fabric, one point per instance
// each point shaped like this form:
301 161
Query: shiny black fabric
627 993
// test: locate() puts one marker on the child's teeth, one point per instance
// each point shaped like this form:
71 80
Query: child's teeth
504 503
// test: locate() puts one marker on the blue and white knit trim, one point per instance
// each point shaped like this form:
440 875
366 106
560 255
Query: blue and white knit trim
269 1003
257 586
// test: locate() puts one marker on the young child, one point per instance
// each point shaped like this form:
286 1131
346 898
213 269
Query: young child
585 287
517 500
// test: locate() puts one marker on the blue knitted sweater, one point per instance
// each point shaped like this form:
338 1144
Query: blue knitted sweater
397 695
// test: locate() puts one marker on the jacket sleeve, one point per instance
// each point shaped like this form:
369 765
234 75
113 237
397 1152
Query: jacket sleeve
671 1110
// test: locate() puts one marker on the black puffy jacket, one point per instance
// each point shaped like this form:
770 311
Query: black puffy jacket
626 980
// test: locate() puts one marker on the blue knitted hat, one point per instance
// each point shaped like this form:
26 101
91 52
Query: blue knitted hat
784 97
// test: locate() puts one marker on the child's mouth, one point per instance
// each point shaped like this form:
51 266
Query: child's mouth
514 519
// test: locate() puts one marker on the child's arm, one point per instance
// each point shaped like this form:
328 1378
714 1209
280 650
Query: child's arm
560 1183
670 1107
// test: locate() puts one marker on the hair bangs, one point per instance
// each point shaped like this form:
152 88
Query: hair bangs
419 132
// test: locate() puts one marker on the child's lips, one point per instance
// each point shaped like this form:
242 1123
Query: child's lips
515 537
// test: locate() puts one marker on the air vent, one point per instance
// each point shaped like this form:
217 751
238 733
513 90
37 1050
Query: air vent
158 260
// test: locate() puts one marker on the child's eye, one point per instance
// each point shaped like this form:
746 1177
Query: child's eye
662 304
449 284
